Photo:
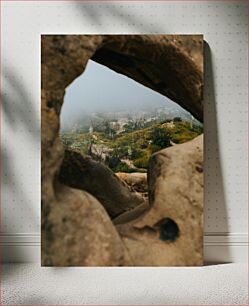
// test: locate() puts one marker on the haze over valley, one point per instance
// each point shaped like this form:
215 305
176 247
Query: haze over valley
101 94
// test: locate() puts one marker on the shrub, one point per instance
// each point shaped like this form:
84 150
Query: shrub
154 148
122 167
112 161
160 137
177 119
141 162
135 154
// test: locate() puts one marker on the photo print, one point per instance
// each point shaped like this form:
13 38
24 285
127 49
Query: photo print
122 150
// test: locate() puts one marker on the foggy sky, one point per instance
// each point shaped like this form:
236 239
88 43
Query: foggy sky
100 89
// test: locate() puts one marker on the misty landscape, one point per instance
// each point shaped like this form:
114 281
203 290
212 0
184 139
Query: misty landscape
110 95
120 122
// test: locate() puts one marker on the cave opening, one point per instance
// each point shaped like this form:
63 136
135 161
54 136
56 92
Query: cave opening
120 122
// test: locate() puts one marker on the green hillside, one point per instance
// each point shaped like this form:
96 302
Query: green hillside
129 150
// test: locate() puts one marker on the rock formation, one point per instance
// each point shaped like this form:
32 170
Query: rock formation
170 65
76 230
137 181
170 233
82 172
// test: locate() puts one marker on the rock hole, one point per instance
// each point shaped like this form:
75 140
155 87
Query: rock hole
169 230
50 104
199 169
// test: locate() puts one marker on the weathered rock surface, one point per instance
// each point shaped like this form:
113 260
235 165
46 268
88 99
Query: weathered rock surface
78 232
82 172
173 67
171 232
169 64
136 180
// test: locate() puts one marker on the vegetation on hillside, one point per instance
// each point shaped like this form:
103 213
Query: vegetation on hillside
130 149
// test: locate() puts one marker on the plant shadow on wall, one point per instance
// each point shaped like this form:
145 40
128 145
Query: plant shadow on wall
21 132
20 119
122 16
94 217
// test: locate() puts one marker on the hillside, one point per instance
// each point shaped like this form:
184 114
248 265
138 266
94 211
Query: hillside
129 149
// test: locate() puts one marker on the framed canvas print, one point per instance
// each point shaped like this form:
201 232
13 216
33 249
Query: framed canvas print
122 150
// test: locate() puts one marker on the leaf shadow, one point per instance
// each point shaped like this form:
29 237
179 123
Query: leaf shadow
20 126
121 15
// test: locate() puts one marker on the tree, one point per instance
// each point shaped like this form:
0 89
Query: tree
160 137
177 119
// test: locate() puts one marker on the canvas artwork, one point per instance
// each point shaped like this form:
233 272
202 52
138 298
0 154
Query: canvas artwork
122 150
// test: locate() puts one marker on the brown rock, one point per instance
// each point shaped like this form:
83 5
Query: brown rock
136 180
171 232
170 66
78 232
82 172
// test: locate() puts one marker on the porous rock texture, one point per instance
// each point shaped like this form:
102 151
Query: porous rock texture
175 178
76 230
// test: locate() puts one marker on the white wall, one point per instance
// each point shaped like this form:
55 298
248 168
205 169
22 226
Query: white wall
224 25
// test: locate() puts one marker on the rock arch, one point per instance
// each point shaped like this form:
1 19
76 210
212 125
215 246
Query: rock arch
171 65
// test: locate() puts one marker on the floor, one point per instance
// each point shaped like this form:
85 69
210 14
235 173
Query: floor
29 284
